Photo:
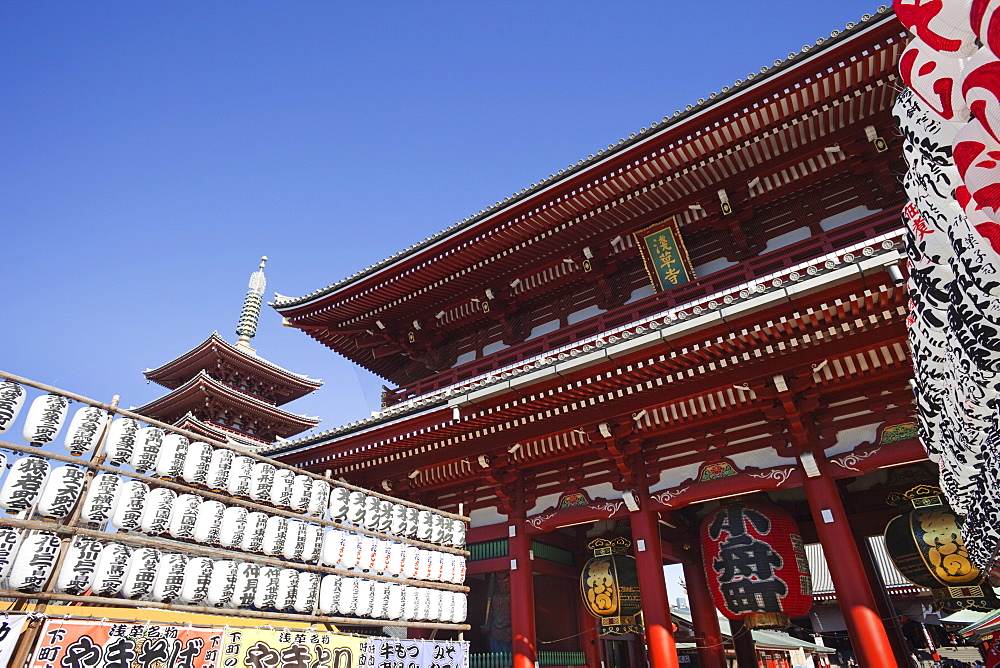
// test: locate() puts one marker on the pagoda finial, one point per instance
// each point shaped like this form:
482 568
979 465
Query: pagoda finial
247 327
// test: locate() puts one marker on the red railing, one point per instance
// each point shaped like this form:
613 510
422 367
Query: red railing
744 272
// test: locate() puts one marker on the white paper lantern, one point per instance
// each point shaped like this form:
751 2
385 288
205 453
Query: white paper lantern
10 540
274 535
433 605
437 566
61 491
12 397
437 528
109 576
261 479
372 516
447 530
147 449
267 588
447 606
460 607
77 572
411 561
319 496
253 535
394 564
301 491
425 564
459 577
334 542
412 517
397 521
44 419
23 483
380 600
197 578
170 459
121 440
307 594
423 603
458 528
329 593
34 561
288 587
448 567
128 506
281 488
356 508
222 584
363 597
394 604
369 546
347 595
238 481
424 525
351 556
381 563
338 503
247 577
169 577
295 540
314 544
234 526
85 430
206 527
384 515
101 498
141 572
218 469
410 600
156 509
183 516
196 463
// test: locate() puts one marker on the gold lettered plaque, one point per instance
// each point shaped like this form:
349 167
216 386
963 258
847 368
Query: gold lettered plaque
664 255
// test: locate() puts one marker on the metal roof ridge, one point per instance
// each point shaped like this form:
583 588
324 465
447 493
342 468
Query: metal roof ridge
851 29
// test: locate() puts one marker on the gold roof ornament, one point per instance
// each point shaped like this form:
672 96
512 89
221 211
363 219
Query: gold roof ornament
246 329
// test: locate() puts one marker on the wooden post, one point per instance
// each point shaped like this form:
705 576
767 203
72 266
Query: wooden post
661 650
746 649
864 625
522 586
711 651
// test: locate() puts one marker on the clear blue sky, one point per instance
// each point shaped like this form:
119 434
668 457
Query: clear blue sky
150 152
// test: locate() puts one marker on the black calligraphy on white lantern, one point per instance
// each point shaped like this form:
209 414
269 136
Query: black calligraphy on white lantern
34 562
10 540
169 577
141 573
12 398
45 418
196 463
170 459
24 483
85 430
101 498
128 507
77 572
147 448
62 489
121 440
109 576
156 510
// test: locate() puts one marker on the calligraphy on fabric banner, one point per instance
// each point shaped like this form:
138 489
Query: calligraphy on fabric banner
10 631
394 653
103 644
289 648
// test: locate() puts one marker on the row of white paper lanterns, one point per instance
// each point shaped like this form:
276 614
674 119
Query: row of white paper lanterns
174 457
112 569
131 505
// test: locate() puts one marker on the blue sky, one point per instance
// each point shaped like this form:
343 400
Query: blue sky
151 152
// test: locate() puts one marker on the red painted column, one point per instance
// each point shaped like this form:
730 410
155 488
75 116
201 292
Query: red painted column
711 653
864 626
522 588
661 650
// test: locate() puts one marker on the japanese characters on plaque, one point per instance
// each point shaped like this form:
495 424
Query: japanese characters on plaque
664 255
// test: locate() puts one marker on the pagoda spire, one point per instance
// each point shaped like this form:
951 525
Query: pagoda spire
247 327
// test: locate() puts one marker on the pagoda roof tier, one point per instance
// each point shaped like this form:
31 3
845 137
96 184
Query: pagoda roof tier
805 119
193 424
219 358
203 396
829 307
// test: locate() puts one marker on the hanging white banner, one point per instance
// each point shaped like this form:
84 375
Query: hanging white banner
10 630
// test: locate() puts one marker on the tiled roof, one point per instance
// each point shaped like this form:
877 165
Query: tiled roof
679 116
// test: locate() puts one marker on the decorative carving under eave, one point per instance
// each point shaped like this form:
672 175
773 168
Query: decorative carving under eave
723 478
621 442
593 511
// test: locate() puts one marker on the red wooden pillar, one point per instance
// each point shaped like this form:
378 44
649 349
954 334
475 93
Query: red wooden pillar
522 587
590 639
711 653
661 650
864 626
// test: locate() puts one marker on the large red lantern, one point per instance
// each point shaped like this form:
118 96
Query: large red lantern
756 564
